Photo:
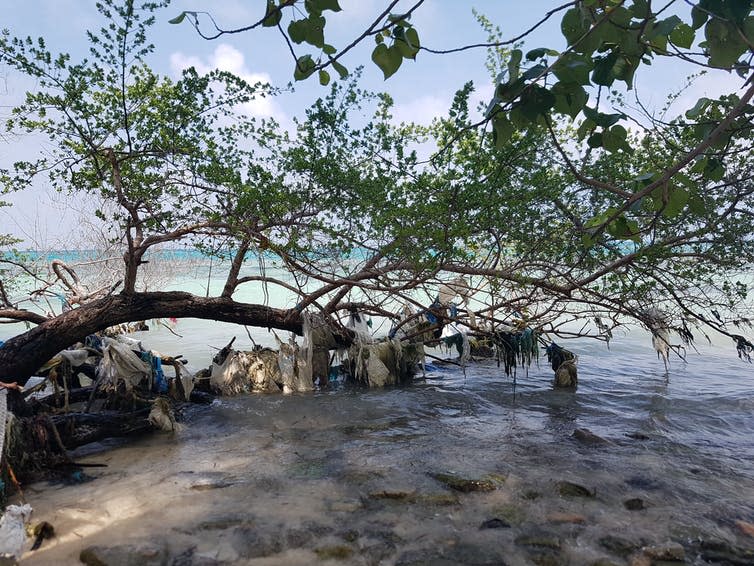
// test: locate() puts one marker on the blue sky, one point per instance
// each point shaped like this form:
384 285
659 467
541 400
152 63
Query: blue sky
421 89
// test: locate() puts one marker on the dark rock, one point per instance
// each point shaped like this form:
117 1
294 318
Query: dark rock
376 553
297 538
721 552
351 535
335 552
603 562
223 522
570 489
466 554
495 524
393 495
637 435
588 437
464 485
249 543
139 554
547 558
188 558
635 504
539 540
531 495
667 552
423 558
619 546
475 555
510 513
561 517
205 485
641 482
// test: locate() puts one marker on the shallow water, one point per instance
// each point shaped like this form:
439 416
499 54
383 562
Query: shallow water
346 474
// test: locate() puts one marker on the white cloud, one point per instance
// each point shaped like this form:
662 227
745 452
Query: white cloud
227 58
421 110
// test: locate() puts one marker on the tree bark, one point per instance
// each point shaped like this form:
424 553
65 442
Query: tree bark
22 355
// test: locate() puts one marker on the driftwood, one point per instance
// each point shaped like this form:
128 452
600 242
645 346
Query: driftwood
77 429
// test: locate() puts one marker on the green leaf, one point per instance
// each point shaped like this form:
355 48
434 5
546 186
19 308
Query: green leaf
272 15
664 27
408 44
304 67
595 140
682 36
677 199
388 59
696 205
573 68
724 43
329 49
624 229
502 129
510 91
714 170
614 139
298 30
585 127
570 99
640 9
534 72
322 5
178 19
536 101
603 73
701 105
698 17
342 71
324 77
600 119
574 25
514 64
540 52
315 31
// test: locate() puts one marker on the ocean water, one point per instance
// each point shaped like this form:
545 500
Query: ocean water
349 475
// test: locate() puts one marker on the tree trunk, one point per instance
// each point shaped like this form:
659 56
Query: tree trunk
22 355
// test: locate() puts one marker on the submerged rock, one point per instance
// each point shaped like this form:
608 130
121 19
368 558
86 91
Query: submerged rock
619 546
140 554
495 523
249 543
570 489
510 513
588 437
411 497
635 504
539 540
542 548
464 485
393 495
745 528
460 553
574 518
637 435
721 552
667 552
334 552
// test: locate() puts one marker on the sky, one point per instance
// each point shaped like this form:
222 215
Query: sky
422 89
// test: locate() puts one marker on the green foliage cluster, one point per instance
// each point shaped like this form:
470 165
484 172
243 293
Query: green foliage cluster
556 203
